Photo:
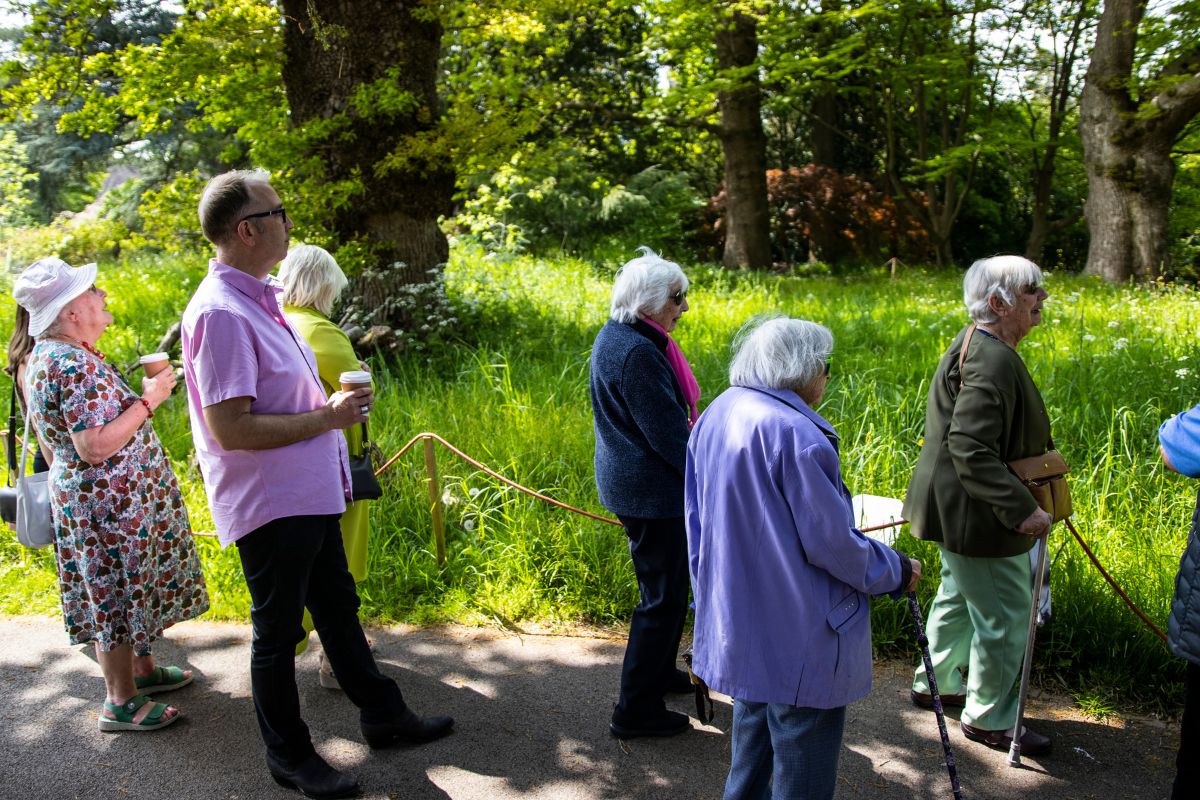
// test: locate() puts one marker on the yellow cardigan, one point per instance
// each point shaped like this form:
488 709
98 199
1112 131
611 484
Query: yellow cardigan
335 355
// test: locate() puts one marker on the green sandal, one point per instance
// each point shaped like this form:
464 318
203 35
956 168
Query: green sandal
163 679
123 714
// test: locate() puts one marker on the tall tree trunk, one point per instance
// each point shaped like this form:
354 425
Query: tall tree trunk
361 79
1127 146
744 145
827 243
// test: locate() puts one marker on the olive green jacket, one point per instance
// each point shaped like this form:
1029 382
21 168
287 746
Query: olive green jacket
961 493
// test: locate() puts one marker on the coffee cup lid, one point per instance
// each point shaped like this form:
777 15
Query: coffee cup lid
355 376
150 358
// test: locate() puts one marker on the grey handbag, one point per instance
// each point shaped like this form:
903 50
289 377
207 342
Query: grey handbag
33 501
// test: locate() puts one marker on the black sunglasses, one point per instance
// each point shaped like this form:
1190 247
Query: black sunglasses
679 297
262 214
827 364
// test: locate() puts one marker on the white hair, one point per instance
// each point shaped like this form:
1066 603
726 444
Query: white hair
1002 276
644 286
780 353
311 278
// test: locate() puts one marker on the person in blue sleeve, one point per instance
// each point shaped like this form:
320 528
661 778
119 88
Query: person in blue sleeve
780 575
1179 443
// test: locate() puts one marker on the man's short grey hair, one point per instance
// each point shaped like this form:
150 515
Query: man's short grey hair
1002 276
224 200
644 286
780 353
311 278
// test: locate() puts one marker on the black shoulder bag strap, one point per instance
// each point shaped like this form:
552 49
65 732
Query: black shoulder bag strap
10 441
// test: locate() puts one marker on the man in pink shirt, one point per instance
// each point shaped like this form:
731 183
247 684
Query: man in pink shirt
276 473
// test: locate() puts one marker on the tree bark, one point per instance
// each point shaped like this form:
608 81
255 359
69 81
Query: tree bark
1127 146
361 82
744 146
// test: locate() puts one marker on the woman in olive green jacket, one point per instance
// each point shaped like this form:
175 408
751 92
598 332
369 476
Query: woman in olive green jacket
963 496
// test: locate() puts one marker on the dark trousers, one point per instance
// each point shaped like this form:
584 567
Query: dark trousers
1187 763
290 564
659 551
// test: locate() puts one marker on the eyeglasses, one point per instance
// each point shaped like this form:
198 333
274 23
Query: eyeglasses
827 365
679 297
262 214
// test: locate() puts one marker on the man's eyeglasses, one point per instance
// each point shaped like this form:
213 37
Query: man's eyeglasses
271 213
679 297
827 365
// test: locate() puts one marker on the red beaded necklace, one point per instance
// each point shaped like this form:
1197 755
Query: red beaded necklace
84 345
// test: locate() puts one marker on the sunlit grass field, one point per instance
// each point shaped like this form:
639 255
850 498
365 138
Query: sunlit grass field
1112 363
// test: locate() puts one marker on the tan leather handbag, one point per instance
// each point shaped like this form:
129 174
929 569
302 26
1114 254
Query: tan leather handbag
1044 477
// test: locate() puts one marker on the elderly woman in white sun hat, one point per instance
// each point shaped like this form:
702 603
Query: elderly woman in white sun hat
127 564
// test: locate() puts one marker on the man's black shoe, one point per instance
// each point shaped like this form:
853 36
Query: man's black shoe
666 723
680 683
312 777
408 728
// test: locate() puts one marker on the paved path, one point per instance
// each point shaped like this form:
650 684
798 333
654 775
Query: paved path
532 714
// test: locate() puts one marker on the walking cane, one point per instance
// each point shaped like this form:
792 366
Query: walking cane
923 641
1014 750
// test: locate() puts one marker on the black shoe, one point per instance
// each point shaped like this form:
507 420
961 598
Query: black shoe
666 723
312 777
1032 744
680 683
925 701
408 728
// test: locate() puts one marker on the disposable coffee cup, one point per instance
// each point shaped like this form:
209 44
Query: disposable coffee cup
356 379
154 363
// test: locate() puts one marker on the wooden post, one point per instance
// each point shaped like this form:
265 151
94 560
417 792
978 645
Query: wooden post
435 502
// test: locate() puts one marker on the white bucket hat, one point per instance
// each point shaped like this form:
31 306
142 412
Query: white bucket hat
46 286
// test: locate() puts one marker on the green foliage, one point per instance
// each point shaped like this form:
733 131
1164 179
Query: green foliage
15 180
76 241
570 208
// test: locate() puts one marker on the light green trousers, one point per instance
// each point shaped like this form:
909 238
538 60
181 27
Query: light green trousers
978 624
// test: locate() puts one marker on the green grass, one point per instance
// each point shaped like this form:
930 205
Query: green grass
1112 363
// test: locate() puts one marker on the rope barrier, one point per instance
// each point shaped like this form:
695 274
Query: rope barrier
493 473
433 437
1120 592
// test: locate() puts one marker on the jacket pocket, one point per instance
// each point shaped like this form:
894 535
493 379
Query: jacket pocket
840 618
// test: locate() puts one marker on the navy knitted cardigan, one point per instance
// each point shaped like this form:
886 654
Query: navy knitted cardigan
640 423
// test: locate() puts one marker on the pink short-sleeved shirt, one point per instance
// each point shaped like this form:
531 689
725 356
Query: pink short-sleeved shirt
237 343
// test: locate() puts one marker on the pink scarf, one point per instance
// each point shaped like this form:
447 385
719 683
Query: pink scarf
683 372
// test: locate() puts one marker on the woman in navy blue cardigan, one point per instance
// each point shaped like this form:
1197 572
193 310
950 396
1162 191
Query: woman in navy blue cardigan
644 402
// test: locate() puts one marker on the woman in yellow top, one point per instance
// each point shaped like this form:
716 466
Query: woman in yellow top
312 282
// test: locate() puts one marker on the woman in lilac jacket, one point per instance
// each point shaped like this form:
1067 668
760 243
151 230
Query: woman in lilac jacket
780 576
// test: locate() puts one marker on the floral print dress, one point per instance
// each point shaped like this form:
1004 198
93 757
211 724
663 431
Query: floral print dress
127 564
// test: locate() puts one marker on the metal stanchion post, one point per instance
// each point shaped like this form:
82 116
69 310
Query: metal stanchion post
435 502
